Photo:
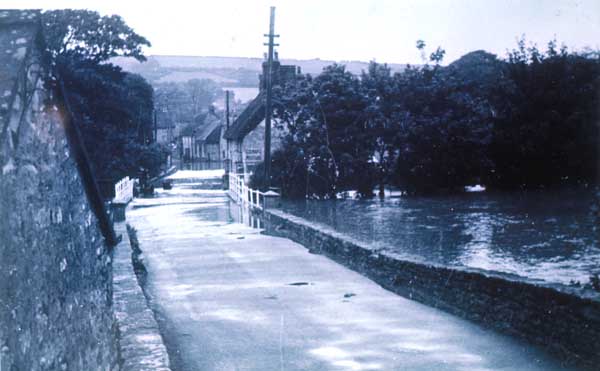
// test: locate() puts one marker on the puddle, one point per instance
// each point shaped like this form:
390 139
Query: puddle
300 283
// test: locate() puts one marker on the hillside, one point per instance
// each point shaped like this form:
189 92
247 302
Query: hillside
226 71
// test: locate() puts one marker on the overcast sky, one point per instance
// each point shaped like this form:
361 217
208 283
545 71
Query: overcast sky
382 30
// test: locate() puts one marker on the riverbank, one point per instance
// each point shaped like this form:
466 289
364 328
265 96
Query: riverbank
559 319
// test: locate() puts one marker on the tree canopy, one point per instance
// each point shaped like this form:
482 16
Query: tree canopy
85 34
113 108
524 122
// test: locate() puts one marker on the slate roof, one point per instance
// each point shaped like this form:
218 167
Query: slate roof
215 136
248 119
210 123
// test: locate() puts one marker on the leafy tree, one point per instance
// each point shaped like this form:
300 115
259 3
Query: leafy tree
328 130
547 131
169 102
340 121
529 121
382 119
84 34
442 126
437 56
421 47
184 101
289 172
113 108
114 111
202 93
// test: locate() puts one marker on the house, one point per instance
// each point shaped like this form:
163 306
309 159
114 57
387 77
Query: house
201 140
187 150
165 133
244 139
167 129
211 146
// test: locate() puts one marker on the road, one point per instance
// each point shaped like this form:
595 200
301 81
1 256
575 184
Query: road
229 298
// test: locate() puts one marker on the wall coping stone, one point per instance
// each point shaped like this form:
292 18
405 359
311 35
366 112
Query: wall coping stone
141 345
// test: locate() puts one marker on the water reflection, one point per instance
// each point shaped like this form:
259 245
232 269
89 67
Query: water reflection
545 235
244 216
541 235
215 204
478 251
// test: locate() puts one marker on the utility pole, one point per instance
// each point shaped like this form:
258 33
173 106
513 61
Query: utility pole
227 107
268 103
227 159
155 128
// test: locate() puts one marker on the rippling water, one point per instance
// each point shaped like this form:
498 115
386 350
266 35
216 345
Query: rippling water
542 235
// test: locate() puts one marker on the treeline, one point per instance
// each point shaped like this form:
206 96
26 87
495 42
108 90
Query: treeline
184 101
529 121
113 108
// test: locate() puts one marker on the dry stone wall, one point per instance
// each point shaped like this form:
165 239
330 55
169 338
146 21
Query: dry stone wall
55 267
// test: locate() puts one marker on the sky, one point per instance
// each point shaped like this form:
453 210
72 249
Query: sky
381 30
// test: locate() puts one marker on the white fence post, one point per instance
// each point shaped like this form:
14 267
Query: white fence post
123 190
242 194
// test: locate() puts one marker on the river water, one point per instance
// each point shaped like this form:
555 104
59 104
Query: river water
546 236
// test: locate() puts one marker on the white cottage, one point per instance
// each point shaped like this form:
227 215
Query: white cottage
245 138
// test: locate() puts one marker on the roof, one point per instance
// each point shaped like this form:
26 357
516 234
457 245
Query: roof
211 122
248 120
202 127
215 136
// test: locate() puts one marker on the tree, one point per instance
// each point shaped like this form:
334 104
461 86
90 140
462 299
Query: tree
202 93
113 108
84 34
442 125
547 131
184 101
114 111
528 122
325 120
382 101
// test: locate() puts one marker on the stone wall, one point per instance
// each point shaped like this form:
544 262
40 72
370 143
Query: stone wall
142 347
566 323
55 267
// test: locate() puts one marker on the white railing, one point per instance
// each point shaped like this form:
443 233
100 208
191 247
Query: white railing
124 190
244 195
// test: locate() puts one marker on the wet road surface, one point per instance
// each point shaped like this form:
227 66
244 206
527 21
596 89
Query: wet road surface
229 298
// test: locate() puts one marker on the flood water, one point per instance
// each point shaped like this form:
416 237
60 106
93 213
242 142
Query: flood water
227 297
539 235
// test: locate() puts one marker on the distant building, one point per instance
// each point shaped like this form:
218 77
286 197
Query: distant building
167 129
165 134
201 141
211 145
188 151
246 136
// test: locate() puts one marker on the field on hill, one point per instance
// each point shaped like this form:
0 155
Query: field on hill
225 71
